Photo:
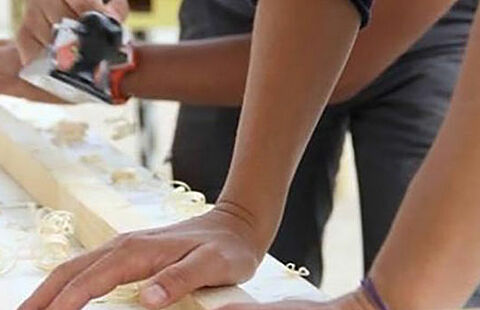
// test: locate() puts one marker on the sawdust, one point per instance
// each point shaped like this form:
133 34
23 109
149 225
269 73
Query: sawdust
124 130
124 176
91 159
68 133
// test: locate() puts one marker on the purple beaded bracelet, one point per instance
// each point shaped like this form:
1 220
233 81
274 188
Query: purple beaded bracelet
372 294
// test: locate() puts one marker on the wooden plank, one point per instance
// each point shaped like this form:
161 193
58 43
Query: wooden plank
54 177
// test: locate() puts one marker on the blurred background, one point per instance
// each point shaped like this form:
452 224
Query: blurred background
156 21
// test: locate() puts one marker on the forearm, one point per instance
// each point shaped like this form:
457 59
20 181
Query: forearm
395 27
210 71
213 71
285 95
431 257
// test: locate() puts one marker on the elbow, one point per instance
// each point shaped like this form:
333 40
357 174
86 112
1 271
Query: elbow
349 86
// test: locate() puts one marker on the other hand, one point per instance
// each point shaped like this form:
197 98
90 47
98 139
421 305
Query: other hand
353 301
10 83
35 32
212 250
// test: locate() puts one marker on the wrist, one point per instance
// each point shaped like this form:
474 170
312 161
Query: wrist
120 72
242 222
130 80
363 301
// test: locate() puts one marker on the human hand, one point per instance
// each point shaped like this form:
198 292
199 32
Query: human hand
212 250
353 301
10 83
40 15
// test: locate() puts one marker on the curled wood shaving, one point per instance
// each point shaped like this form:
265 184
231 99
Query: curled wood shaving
301 272
56 223
69 133
187 202
54 229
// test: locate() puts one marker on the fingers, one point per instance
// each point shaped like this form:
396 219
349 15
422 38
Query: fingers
196 270
118 9
132 260
10 83
28 45
99 279
36 30
54 284
82 6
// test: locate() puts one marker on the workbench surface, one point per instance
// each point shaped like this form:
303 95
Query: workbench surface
272 282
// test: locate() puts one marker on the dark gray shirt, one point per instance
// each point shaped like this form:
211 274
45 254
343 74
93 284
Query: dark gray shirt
247 7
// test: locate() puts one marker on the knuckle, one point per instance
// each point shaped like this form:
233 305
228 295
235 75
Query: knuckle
127 240
23 33
221 259
176 277
61 270
120 238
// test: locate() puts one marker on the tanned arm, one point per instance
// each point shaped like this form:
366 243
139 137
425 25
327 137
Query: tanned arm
431 257
213 71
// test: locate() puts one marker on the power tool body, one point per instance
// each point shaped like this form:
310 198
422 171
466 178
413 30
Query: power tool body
79 65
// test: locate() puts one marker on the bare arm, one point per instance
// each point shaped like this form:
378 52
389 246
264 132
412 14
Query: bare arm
210 71
214 71
282 104
431 257
284 98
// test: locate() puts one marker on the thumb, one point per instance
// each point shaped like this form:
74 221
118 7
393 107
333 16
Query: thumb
194 271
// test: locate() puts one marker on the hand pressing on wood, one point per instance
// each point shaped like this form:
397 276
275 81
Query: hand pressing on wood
212 250
353 301
10 83
40 15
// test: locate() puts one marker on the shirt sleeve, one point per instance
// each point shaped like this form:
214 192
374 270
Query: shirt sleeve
363 7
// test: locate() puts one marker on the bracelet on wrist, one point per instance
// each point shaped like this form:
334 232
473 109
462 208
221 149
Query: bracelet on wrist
372 294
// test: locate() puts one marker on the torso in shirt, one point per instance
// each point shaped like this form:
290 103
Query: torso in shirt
451 31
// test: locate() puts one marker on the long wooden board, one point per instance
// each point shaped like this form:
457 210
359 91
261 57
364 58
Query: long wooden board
54 177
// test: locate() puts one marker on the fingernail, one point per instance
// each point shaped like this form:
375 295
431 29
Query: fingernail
154 295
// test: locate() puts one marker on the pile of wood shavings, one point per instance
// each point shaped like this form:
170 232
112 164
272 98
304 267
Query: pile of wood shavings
55 230
187 202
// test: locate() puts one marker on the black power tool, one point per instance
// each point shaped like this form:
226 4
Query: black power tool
79 65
